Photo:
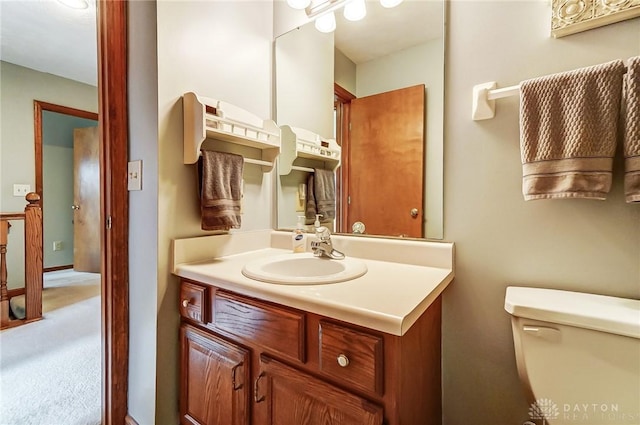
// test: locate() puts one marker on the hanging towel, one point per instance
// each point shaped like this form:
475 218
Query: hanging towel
310 210
632 131
568 127
325 193
220 190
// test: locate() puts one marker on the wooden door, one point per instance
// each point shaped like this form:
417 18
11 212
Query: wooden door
385 162
291 397
86 200
214 380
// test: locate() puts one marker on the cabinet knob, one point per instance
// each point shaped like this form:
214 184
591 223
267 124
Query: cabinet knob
185 303
343 360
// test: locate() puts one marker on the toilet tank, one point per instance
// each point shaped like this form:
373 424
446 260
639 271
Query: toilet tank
578 355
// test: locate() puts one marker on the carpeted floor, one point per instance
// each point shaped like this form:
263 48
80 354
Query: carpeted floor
50 370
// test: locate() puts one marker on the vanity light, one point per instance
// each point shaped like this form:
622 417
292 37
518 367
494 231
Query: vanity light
75 4
322 11
326 22
390 3
355 10
299 4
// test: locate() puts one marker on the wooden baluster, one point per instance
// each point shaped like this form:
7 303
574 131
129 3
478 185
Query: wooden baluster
4 296
33 257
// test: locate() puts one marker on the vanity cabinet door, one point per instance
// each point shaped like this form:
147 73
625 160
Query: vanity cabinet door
214 380
291 397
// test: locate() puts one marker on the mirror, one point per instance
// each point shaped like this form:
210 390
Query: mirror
389 50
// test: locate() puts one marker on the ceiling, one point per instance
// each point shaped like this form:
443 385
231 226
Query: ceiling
49 37
384 31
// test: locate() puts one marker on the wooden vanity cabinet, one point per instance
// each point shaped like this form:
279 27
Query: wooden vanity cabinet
248 361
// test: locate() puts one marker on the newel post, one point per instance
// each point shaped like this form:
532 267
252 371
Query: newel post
4 296
33 241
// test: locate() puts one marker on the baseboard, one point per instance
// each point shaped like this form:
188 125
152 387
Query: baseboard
56 268
128 420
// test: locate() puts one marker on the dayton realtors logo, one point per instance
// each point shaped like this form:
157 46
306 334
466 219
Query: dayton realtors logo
601 413
544 409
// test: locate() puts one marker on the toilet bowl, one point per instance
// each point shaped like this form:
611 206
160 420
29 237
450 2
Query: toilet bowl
578 355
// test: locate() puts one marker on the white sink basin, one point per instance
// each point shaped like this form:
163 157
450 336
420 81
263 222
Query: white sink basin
303 269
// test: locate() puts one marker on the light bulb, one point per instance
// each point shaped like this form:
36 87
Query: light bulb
299 4
326 23
390 3
355 10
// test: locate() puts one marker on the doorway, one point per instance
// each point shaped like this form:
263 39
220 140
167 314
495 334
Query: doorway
55 176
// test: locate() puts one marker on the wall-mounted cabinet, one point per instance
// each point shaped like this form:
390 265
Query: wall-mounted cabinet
207 118
299 143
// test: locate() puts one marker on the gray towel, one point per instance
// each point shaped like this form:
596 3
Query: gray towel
321 196
632 131
310 210
220 190
568 127
325 193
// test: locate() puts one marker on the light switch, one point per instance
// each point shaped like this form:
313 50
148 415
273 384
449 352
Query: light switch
134 175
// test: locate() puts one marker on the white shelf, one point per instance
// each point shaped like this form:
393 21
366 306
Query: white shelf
301 143
207 118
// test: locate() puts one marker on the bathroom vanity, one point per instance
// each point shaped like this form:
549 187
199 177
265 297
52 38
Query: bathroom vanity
363 351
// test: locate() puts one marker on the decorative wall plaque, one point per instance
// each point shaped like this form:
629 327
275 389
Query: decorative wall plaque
572 16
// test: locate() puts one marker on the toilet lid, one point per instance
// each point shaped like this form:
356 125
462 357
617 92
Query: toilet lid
602 313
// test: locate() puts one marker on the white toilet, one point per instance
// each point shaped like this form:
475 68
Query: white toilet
578 355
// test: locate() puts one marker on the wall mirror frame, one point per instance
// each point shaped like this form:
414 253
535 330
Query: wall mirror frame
311 67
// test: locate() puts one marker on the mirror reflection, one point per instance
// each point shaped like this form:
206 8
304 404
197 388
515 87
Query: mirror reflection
375 86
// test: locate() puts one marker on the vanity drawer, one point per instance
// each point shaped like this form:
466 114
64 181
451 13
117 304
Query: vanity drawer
351 356
277 329
191 302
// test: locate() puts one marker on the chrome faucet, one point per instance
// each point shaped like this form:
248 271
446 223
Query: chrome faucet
323 247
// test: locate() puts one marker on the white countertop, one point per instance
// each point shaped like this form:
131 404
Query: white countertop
389 297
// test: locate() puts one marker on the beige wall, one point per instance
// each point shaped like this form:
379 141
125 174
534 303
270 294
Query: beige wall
502 240
221 50
19 87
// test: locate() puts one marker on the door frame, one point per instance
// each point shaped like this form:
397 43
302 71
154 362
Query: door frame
114 196
342 107
38 108
112 117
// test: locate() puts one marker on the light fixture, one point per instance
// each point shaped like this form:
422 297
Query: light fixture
390 3
326 22
75 4
322 11
355 10
299 4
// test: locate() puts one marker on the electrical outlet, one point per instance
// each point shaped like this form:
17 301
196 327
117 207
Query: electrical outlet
21 190
58 246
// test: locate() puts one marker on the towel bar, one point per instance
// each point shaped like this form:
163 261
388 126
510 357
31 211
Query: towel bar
258 162
306 169
484 96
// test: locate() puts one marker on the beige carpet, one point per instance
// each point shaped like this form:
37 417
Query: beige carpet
50 370
55 297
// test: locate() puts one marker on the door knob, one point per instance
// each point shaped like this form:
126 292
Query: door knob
358 227
75 207
414 212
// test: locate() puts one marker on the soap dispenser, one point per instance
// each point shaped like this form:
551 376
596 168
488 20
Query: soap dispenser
299 237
